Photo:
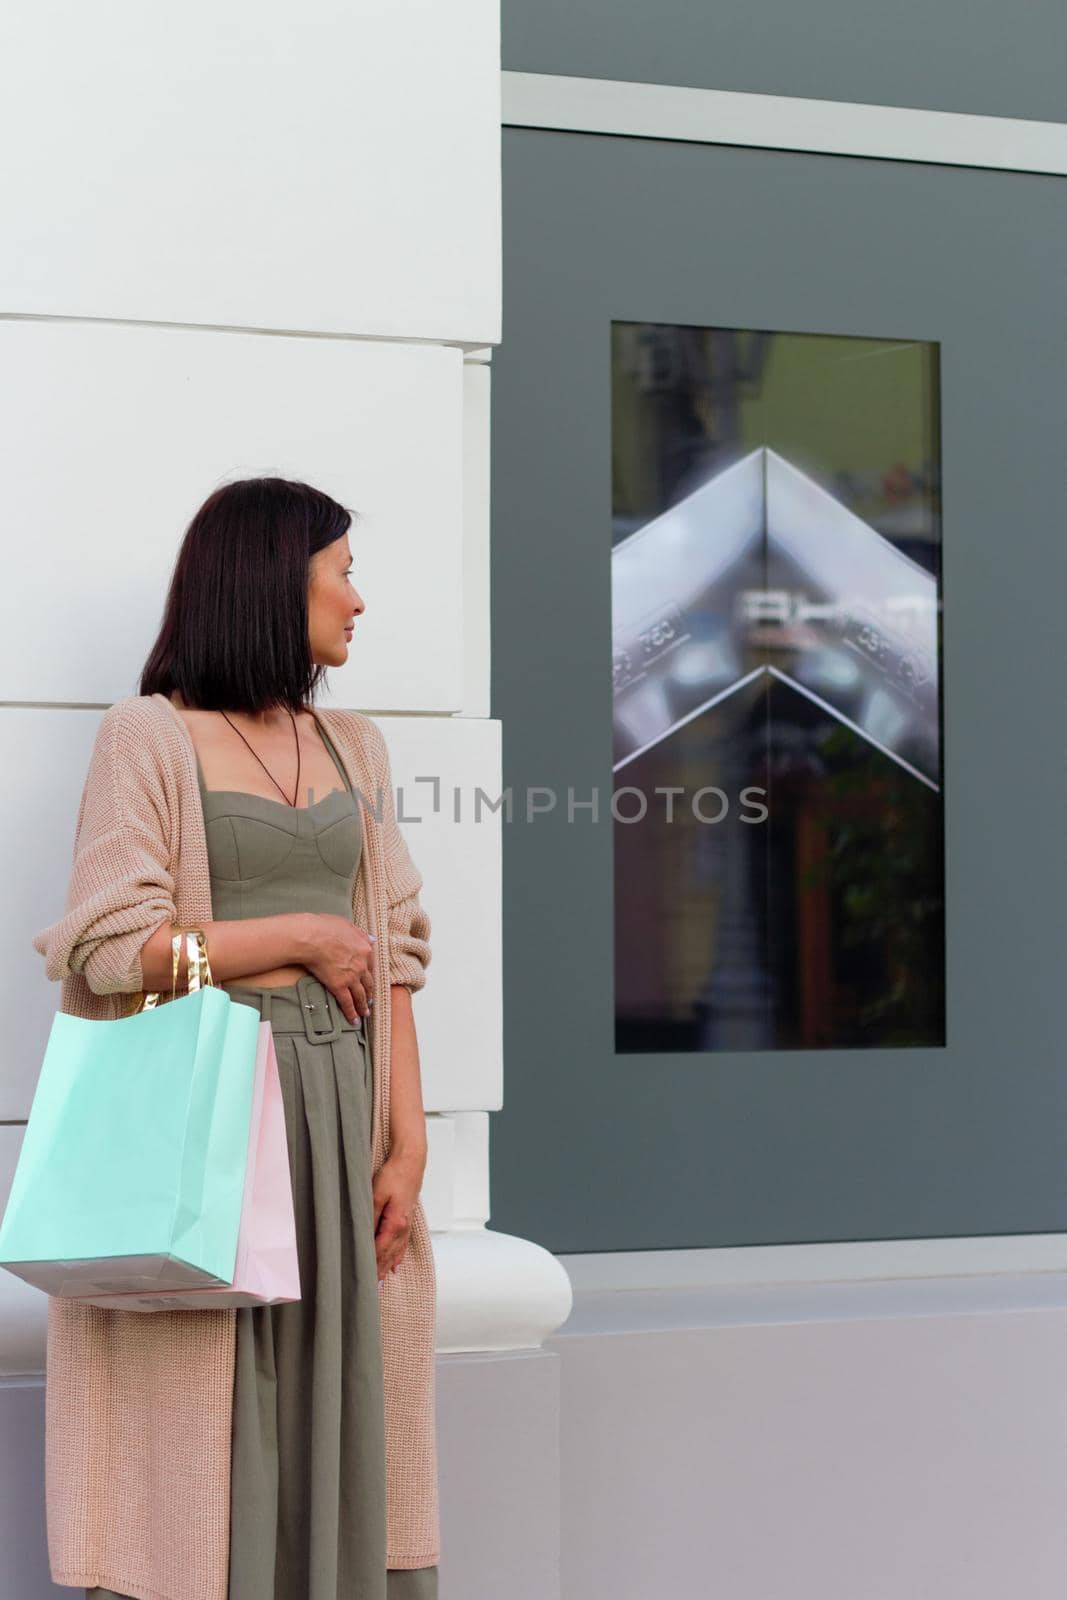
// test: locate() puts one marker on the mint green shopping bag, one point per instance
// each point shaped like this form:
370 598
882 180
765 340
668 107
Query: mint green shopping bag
132 1168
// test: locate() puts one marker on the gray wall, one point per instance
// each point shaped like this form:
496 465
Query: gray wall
944 55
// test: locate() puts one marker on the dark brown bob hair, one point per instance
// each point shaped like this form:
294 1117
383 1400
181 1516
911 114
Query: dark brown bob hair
234 635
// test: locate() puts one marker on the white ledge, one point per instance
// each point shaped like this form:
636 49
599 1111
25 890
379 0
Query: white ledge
850 1261
499 1292
763 1305
646 1291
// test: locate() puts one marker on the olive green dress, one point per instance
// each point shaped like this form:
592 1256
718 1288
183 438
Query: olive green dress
307 1488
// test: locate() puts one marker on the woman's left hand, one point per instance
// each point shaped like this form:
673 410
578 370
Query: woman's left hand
396 1188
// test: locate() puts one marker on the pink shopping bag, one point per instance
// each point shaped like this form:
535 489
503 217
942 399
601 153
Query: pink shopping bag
266 1270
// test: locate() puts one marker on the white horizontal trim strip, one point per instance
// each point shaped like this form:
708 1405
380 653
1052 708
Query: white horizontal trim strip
855 1262
774 1304
781 122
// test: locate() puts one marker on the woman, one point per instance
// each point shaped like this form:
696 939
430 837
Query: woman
281 1452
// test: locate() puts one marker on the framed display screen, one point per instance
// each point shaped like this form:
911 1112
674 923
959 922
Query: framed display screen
776 486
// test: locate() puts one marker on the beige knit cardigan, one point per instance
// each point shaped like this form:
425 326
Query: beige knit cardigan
139 1404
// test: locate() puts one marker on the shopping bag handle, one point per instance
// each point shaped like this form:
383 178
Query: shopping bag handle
199 969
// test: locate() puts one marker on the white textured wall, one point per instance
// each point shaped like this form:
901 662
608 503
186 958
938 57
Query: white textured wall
320 167
242 240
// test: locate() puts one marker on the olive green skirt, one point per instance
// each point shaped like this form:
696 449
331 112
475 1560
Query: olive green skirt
307 1485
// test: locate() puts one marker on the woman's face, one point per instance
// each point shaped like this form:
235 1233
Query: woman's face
333 604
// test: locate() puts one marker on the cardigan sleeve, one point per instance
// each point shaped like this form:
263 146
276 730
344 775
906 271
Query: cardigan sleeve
121 888
409 925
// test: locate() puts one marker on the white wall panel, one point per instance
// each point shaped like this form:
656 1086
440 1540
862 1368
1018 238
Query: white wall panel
455 1189
438 765
872 1457
23 1309
113 436
470 1198
325 167
477 641
50 751
438 1181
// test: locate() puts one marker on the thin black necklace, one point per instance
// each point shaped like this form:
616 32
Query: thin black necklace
267 770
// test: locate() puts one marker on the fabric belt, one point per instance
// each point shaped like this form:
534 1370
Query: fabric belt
306 1007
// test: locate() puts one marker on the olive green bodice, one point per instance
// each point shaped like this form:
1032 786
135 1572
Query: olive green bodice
267 857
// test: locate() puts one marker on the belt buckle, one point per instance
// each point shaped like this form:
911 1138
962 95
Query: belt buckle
315 998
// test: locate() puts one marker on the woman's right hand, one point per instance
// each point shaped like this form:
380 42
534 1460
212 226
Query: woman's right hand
341 956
